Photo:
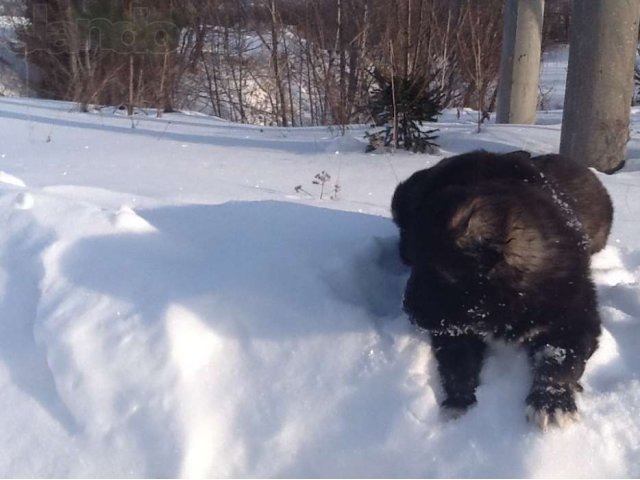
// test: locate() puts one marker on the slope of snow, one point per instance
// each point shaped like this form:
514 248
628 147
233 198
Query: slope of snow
171 305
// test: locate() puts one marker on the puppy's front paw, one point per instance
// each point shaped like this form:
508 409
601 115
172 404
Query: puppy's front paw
457 405
551 405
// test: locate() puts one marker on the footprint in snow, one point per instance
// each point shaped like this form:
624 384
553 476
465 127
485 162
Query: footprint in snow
23 201
609 269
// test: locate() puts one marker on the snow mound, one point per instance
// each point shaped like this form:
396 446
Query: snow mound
225 312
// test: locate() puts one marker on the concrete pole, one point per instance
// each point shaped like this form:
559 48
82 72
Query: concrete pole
520 61
595 123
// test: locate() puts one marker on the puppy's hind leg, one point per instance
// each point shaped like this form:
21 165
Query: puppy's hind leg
459 363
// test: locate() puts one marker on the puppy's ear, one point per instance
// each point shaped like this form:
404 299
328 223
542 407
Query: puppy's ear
461 218
477 228
478 217
409 194
517 155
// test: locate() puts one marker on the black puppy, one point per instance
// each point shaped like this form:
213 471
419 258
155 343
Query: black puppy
497 249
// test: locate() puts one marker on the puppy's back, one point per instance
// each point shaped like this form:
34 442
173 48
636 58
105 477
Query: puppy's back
585 194
533 245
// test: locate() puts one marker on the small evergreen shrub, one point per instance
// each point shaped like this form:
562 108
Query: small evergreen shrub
416 101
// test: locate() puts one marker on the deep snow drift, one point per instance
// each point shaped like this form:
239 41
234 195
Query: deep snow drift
171 306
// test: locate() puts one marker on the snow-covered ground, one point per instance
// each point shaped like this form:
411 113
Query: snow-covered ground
171 305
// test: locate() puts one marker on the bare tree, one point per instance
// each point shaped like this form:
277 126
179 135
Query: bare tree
478 44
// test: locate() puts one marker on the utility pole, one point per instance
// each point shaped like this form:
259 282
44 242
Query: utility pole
603 42
520 61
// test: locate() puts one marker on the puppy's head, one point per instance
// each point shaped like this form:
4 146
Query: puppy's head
492 236
458 235
469 169
429 199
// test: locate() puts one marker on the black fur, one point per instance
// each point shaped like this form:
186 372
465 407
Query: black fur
585 195
499 246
